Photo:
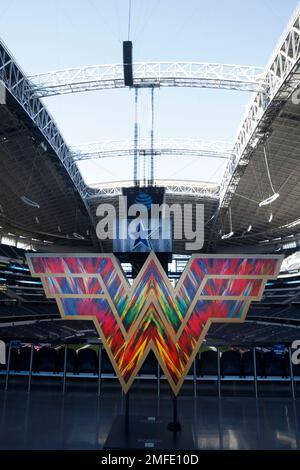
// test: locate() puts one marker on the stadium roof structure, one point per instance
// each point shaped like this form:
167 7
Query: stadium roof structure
43 195
38 199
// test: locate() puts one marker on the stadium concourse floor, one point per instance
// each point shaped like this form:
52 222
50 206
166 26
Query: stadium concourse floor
47 419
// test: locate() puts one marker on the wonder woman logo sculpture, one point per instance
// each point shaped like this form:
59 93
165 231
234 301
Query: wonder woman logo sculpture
151 314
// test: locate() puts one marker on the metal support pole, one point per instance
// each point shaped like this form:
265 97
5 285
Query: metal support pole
127 412
144 170
219 373
175 425
255 372
175 409
30 368
152 138
195 377
158 380
221 431
99 368
8 368
65 368
136 137
292 374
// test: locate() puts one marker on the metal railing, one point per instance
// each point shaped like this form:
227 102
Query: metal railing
193 376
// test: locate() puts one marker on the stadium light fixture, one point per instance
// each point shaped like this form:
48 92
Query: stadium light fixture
249 228
44 146
78 236
255 142
291 224
271 218
29 202
269 200
227 235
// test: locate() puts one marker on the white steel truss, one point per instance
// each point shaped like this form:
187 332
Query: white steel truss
192 188
283 78
150 74
273 87
117 148
19 86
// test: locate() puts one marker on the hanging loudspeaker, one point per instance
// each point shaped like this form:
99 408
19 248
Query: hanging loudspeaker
127 63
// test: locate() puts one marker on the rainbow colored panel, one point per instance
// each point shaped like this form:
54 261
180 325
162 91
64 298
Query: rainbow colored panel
151 314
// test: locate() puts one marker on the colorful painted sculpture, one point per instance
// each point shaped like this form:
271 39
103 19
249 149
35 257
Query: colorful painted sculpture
151 314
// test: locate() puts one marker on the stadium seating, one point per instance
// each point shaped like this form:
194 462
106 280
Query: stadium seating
234 364
296 370
24 359
150 365
247 364
87 361
274 365
14 359
106 366
71 365
11 252
208 363
10 309
47 360
231 363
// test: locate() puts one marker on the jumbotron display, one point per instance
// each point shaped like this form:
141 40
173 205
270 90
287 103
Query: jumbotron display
151 314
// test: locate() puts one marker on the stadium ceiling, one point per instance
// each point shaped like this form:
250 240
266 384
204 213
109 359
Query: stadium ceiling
38 200
264 158
282 76
266 155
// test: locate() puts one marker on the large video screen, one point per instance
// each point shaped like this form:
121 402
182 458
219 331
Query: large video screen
147 196
139 234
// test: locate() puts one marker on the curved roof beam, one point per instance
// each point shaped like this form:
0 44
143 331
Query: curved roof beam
150 74
193 188
17 83
282 76
186 147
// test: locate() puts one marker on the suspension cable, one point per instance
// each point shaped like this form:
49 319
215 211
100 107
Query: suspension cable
152 137
136 137
268 170
129 18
